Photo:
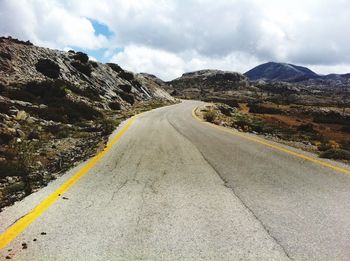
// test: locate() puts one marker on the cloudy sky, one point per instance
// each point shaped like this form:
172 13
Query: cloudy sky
168 37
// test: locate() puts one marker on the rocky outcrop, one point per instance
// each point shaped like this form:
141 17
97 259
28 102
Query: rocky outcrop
204 83
155 84
58 108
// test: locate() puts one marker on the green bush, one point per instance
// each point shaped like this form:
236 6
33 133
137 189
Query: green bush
80 56
258 108
94 64
129 98
48 67
115 105
125 87
109 125
345 144
210 115
331 118
306 127
84 68
345 129
67 111
115 67
126 75
230 102
258 126
3 88
15 187
10 169
336 154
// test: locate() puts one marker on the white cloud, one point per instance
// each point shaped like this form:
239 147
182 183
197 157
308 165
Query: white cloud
143 59
168 65
47 23
168 37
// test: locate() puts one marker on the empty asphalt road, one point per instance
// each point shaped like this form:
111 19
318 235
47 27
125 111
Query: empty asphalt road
176 188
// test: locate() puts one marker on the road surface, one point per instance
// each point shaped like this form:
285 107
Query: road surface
175 188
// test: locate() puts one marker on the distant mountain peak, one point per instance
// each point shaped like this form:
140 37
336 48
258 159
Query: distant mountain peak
273 71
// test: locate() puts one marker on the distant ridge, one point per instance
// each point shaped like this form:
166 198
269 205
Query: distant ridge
273 71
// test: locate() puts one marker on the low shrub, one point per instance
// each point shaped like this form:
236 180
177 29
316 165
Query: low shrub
126 75
11 169
83 68
306 127
127 97
15 187
81 57
5 55
48 67
260 109
109 125
345 129
258 126
225 109
67 111
2 88
94 64
328 145
336 154
136 83
115 67
210 116
240 124
46 90
114 105
345 145
125 87
331 118
230 102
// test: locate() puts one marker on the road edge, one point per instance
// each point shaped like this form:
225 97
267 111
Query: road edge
272 146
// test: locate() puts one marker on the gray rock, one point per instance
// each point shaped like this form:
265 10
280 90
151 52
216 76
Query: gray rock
20 134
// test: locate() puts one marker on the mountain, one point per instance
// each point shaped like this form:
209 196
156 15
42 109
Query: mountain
272 71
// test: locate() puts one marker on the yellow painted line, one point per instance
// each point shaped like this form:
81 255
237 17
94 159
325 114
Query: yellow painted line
19 226
325 164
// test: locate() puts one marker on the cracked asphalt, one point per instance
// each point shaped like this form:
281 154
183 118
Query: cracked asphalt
175 188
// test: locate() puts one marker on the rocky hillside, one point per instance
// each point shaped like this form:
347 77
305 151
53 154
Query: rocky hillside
204 83
272 71
58 108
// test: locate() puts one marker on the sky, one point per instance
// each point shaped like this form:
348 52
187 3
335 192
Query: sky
168 37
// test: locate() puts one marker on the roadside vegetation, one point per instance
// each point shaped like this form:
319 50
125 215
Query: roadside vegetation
51 126
323 131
